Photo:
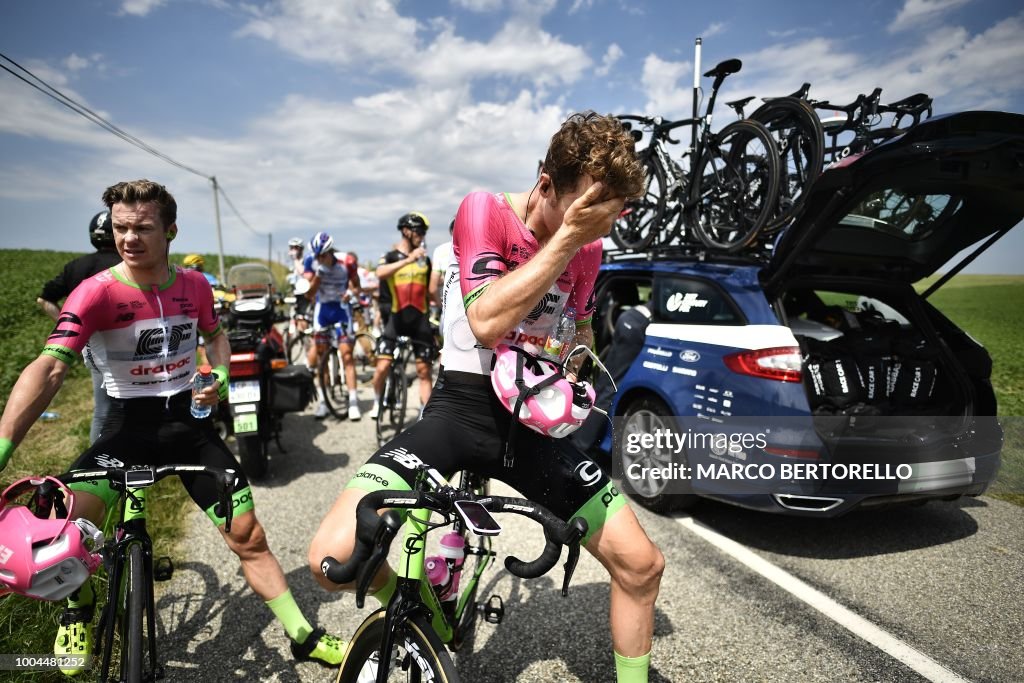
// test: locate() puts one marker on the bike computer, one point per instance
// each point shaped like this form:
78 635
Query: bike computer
477 518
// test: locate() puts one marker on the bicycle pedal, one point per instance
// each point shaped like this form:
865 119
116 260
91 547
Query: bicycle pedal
494 610
163 569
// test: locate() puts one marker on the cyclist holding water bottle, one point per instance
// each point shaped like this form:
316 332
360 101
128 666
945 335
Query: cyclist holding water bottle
142 319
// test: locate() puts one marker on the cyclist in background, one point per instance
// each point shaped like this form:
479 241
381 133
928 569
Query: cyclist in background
405 270
329 281
148 363
101 234
298 267
197 262
521 259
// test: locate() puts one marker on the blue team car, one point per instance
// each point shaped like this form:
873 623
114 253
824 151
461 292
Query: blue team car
815 379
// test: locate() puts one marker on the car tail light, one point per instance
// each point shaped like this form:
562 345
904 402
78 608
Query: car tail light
244 365
278 363
781 363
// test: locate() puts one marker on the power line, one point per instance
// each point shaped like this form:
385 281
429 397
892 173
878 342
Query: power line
80 109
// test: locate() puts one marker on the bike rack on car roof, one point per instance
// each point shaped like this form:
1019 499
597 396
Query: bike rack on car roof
684 252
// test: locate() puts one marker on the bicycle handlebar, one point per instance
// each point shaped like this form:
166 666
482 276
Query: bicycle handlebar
374 534
122 479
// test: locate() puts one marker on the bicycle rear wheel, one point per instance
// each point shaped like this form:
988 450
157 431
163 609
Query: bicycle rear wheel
800 138
418 654
297 347
332 383
640 221
132 606
735 187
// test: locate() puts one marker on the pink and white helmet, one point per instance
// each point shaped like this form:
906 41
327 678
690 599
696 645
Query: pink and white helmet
42 558
537 393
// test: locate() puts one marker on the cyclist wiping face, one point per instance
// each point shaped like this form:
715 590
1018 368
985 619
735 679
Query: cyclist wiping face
523 257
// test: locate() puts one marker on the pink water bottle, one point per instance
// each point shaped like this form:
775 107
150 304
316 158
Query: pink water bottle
439 575
453 550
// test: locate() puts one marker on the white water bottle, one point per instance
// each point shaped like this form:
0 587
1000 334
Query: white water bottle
202 380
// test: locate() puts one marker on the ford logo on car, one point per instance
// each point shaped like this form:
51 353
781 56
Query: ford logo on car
689 356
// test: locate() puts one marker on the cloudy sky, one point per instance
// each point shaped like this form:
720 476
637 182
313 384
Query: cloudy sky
344 114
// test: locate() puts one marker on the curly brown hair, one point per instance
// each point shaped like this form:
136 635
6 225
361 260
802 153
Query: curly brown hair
591 144
142 191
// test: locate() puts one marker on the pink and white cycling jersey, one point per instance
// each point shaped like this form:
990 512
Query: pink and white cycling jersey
142 340
489 241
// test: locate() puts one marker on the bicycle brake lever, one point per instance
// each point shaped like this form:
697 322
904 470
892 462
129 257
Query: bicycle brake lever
578 529
387 529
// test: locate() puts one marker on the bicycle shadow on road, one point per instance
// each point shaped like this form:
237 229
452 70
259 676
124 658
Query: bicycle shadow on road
568 633
863 533
301 457
213 631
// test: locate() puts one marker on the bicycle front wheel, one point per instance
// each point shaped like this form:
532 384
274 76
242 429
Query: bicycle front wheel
800 138
297 347
417 654
640 220
132 605
735 187
393 402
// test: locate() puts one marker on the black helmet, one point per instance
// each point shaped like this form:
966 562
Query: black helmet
414 221
101 231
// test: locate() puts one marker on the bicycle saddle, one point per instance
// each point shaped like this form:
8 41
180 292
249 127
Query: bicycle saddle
723 69
739 104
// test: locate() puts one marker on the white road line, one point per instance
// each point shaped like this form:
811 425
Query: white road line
894 647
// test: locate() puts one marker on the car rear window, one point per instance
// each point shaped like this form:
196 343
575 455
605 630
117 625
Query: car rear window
689 301
898 212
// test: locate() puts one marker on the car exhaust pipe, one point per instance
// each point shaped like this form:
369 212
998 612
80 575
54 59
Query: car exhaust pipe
807 503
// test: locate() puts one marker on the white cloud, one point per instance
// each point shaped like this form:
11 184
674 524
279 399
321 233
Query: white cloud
665 95
914 13
478 5
140 8
578 5
612 55
713 30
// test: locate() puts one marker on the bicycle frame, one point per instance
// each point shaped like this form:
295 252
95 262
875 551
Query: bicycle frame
130 530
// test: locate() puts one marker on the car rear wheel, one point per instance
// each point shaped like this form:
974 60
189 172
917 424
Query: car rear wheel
648 415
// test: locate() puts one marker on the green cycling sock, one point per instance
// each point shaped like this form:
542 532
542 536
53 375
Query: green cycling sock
384 593
83 597
290 616
632 669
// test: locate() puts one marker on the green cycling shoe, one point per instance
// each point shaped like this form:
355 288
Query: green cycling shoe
74 636
320 647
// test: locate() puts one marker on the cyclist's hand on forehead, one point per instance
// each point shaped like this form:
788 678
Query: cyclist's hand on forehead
591 215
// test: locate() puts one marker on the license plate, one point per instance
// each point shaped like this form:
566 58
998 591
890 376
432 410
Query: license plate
246 422
244 391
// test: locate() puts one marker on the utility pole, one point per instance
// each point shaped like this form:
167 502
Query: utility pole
220 240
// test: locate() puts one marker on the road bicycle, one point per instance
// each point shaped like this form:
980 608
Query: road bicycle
129 612
394 398
799 136
406 640
723 199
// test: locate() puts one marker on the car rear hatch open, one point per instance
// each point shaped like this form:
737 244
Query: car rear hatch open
873 225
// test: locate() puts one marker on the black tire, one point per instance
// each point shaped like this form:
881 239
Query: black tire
416 646
133 599
332 383
394 400
297 347
801 141
252 455
735 188
640 221
645 415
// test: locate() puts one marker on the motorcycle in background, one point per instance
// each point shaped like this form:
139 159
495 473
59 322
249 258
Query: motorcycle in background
262 386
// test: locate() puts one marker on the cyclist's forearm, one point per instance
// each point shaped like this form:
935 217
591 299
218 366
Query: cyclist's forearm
218 350
49 308
386 270
32 393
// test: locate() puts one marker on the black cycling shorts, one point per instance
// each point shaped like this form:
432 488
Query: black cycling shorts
413 324
161 431
464 427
